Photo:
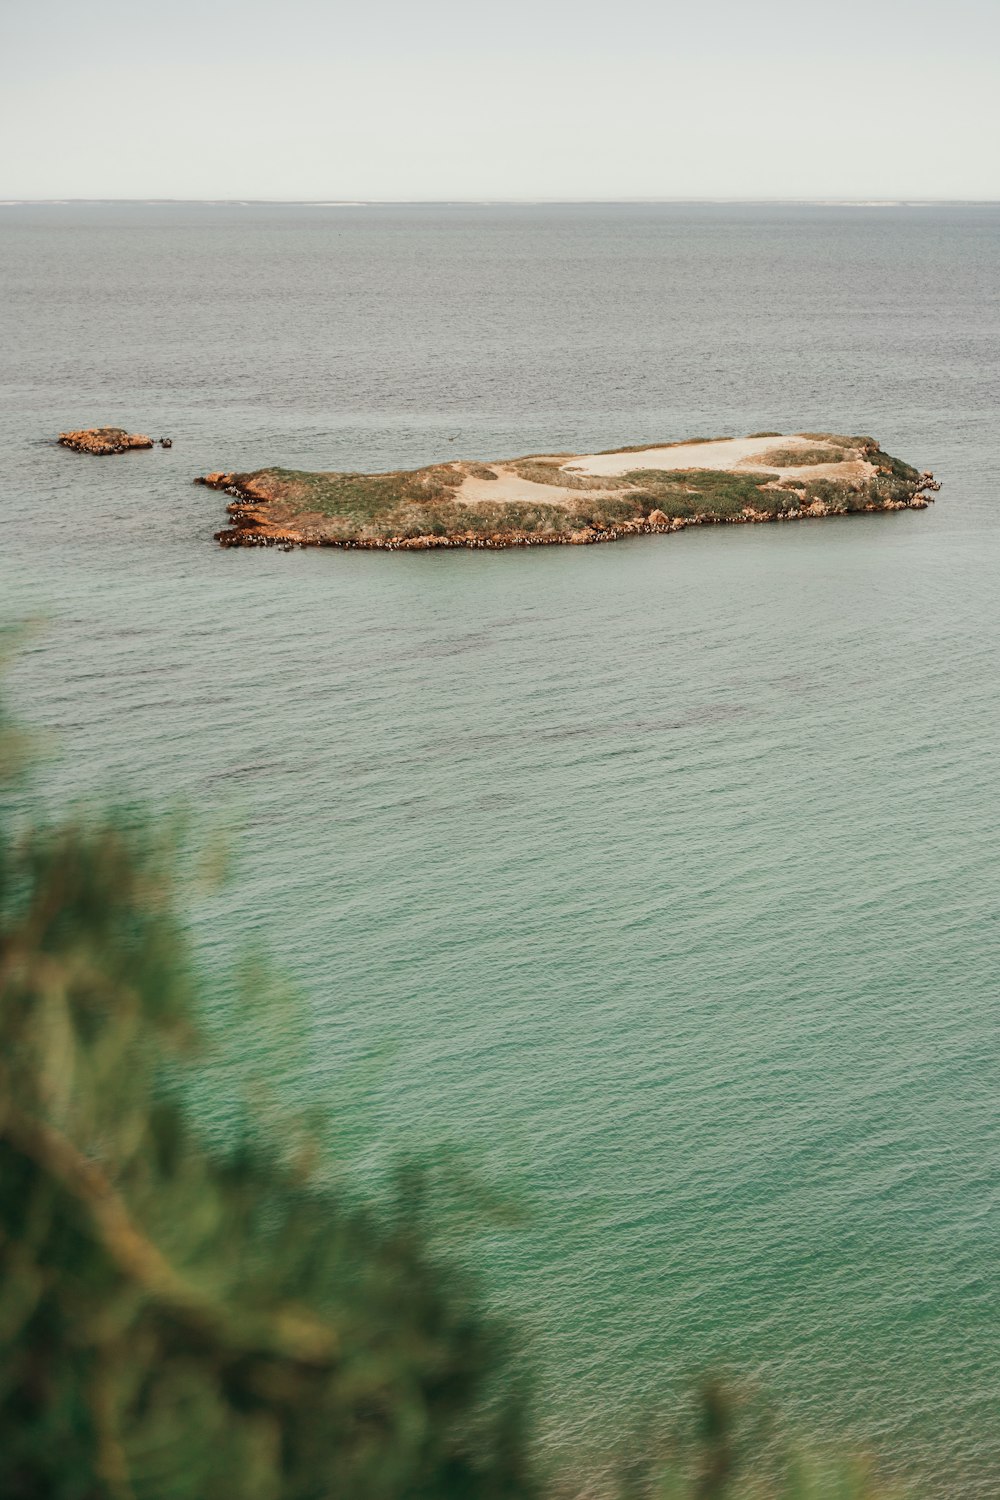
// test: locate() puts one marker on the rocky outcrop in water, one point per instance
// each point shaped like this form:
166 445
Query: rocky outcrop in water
104 440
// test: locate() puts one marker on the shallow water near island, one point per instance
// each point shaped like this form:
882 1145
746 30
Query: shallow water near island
661 877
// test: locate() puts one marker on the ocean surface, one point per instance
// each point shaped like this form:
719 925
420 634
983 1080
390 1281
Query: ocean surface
661 878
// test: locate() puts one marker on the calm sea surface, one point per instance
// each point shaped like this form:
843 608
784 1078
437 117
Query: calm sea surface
661 877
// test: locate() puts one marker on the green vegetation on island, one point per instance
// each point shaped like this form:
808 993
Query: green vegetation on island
571 498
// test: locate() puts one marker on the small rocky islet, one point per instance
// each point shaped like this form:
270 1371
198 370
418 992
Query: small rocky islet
573 499
104 440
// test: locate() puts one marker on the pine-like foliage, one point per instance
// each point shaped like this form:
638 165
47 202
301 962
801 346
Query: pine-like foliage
175 1326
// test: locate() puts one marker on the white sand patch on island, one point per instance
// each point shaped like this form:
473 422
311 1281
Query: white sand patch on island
724 453
752 455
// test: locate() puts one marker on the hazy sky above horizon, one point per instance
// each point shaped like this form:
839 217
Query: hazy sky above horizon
529 99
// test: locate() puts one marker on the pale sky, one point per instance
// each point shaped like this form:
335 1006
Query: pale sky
449 99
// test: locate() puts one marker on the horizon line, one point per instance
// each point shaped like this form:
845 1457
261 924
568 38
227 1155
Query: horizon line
487 202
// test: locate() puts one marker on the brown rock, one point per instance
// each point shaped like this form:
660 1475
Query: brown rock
657 518
102 440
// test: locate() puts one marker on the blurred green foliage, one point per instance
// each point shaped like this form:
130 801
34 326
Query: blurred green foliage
175 1324
183 1324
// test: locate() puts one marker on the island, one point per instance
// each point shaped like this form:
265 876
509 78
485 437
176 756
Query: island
570 497
104 440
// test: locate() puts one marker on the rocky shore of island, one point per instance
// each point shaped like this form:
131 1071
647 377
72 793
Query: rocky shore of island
571 499
252 527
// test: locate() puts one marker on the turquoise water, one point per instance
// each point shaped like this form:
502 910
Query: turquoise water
662 877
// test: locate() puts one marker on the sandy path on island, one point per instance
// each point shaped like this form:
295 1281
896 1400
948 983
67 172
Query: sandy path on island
510 488
724 454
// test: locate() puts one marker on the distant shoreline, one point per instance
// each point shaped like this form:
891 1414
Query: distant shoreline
824 202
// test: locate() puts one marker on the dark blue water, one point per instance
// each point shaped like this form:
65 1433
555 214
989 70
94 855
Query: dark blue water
663 876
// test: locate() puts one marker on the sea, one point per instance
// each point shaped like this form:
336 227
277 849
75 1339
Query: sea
657 882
